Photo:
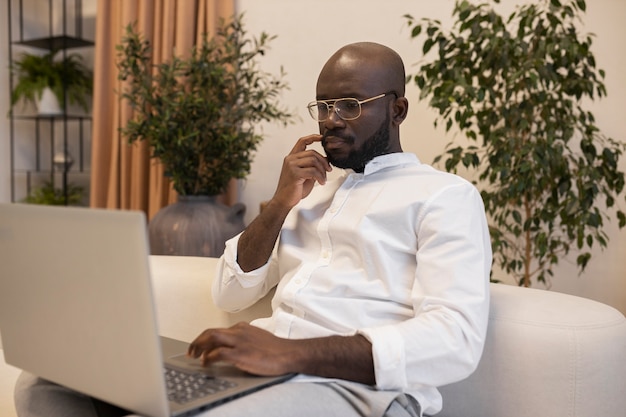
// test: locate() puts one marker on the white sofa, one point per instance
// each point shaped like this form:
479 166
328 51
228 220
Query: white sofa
547 354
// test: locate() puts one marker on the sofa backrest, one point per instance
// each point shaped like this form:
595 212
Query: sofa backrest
182 290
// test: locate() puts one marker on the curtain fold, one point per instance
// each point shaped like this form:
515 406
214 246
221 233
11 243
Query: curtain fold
124 176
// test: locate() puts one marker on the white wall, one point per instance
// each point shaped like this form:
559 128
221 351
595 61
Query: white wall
5 173
310 31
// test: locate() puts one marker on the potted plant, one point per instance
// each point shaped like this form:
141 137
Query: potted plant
50 195
43 76
200 116
515 87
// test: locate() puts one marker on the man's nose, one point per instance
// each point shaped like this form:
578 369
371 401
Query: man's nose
333 121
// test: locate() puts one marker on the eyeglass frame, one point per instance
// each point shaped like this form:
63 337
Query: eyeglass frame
329 105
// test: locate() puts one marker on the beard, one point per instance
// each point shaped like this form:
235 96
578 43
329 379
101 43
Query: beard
377 144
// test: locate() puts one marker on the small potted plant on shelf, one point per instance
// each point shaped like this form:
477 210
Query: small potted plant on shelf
48 194
47 82
201 117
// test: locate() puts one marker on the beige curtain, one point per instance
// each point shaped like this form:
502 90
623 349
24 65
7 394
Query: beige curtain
125 176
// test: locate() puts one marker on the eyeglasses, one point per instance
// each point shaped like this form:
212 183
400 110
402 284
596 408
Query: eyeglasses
346 108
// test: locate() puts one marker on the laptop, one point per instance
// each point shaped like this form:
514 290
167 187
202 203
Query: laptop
76 308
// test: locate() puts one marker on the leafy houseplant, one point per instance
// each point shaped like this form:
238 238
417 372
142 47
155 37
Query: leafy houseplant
65 77
515 88
199 114
48 194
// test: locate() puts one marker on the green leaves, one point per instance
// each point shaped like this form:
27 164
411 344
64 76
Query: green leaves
66 77
515 85
199 114
49 195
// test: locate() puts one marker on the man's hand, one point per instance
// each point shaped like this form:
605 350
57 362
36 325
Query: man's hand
249 348
259 352
302 167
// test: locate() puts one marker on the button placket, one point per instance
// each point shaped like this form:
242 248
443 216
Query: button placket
339 199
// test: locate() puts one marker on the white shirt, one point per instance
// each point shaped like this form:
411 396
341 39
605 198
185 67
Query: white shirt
400 254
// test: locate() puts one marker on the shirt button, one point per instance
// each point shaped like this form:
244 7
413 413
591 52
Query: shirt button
325 254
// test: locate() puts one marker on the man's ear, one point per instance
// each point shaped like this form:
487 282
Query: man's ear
400 109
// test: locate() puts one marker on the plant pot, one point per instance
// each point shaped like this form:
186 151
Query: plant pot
194 226
48 103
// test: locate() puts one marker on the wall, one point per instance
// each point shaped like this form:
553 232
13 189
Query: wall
5 173
310 31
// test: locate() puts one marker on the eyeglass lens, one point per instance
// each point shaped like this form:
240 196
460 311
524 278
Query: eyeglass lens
346 108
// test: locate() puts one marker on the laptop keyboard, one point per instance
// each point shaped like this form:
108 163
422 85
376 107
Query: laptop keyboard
183 387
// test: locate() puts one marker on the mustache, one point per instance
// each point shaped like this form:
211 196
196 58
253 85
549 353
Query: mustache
345 138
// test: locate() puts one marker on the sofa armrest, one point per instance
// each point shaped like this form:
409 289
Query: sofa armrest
546 354
8 376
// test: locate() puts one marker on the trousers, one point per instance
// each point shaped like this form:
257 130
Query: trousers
35 397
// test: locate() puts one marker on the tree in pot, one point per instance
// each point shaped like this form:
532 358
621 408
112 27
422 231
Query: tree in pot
42 75
515 87
200 116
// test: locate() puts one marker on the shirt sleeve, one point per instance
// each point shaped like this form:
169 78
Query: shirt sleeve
233 289
443 342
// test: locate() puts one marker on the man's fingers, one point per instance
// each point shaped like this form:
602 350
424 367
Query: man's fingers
310 166
305 141
308 158
246 347
216 355
208 341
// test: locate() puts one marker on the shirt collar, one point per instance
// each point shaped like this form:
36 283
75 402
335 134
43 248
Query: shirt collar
389 161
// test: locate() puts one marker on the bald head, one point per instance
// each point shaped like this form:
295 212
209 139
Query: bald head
372 74
371 63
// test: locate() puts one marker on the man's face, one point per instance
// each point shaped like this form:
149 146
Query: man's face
342 150
353 143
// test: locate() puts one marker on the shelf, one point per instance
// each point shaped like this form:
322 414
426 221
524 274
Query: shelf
52 117
48 172
33 182
56 42
35 139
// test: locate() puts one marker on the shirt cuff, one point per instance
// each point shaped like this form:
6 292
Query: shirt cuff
389 357
245 279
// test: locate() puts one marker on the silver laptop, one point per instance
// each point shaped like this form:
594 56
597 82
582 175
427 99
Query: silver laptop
76 308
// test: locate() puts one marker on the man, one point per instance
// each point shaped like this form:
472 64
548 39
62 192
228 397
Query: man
381 274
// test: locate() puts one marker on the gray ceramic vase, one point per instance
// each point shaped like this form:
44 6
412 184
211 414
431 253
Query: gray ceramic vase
195 226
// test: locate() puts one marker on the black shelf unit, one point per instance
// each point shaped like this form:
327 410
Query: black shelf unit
47 132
